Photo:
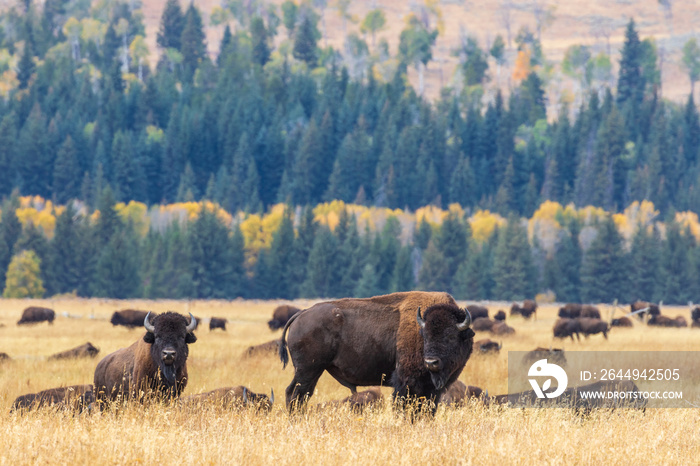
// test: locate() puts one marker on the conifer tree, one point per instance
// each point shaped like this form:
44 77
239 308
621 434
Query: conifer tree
193 42
118 269
66 172
172 23
258 36
319 266
630 83
306 37
8 138
514 273
433 275
281 264
603 266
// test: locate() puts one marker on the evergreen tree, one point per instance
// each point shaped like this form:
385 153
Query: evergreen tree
193 42
452 241
630 82
65 267
319 266
8 138
367 284
305 38
676 266
258 36
172 24
281 265
25 67
402 277
66 172
422 234
645 266
34 161
433 274
108 223
118 270
514 273
303 242
568 266
10 230
603 266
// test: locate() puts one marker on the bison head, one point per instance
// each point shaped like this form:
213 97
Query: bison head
169 334
447 341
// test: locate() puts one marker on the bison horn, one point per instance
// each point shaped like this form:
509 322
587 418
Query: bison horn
419 319
245 396
192 325
272 396
467 321
149 326
500 345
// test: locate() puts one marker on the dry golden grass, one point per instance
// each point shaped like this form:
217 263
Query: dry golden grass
167 434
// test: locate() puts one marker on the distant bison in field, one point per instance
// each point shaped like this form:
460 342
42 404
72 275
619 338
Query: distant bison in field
501 328
528 308
552 355
281 315
459 393
575 310
487 346
651 309
217 322
695 316
477 311
271 348
228 397
357 402
565 327
87 350
590 326
621 322
157 362
74 397
482 324
5 357
664 321
36 314
131 318
500 315
419 341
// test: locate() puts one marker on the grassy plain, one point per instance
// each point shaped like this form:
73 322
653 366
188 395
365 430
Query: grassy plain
163 434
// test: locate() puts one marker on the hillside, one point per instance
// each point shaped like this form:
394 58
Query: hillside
598 24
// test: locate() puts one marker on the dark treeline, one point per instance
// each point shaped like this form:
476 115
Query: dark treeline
258 126
204 258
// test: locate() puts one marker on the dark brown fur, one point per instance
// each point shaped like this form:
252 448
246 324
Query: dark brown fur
217 322
129 371
131 318
592 326
570 311
528 308
482 324
74 397
654 309
565 327
357 402
36 314
5 357
229 397
477 311
501 328
281 315
621 322
590 311
376 340
458 393
500 315
664 321
86 350
487 346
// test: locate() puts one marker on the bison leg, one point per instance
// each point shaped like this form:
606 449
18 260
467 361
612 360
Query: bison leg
605 334
300 390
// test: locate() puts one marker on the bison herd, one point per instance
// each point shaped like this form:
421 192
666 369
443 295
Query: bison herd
416 342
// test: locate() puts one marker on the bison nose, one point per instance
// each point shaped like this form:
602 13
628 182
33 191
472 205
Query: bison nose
168 356
433 364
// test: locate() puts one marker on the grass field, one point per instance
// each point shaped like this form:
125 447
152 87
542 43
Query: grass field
167 434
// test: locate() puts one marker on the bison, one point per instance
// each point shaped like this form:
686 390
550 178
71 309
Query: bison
87 350
74 397
458 393
664 321
695 315
368 341
591 326
477 311
217 322
528 308
570 311
590 311
281 315
651 309
501 328
36 314
131 318
264 349
157 362
357 402
621 322
487 346
5 357
500 315
565 327
483 324
552 355
229 397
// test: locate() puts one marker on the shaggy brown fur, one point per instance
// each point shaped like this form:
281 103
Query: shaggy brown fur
281 315
217 322
229 397
131 318
74 397
36 314
371 341
264 349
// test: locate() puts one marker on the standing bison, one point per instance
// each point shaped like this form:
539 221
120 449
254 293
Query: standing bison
281 315
528 308
36 314
131 318
371 341
217 322
87 350
565 327
157 362
590 326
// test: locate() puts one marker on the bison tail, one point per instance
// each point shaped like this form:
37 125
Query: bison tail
284 355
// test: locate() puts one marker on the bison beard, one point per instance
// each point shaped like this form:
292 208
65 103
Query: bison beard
364 342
